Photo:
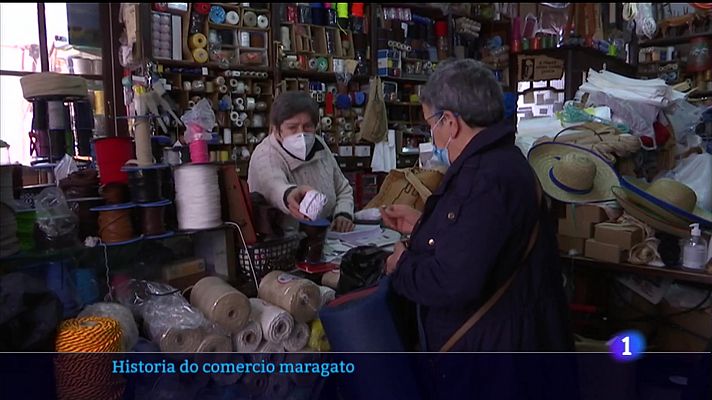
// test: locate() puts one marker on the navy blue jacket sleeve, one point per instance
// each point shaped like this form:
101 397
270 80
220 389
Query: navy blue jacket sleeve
464 254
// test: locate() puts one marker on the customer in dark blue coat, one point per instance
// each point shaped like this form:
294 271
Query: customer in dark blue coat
472 234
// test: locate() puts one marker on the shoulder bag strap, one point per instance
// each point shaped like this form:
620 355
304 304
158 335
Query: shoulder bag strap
422 190
503 289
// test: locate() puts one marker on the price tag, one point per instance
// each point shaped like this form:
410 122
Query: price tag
205 71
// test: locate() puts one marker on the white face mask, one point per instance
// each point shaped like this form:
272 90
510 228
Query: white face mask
299 144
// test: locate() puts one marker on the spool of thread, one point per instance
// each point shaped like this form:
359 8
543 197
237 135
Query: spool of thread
115 193
115 223
249 338
299 297
144 184
312 64
118 312
234 116
197 197
343 101
200 55
221 303
359 98
232 18
286 38
197 41
263 21
111 154
276 323
213 343
326 122
89 335
250 104
153 218
249 19
222 89
348 127
217 15
299 337
322 64
239 123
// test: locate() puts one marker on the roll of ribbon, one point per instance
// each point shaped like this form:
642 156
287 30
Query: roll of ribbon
299 297
298 339
250 104
217 14
342 10
322 64
312 64
261 106
200 56
275 322
249 19
232 18
197 41
249 338
221 303
222 89
263 21
326 122
234 116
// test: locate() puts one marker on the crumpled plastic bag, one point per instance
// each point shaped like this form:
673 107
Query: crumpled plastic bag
683 118
54 217
65 167
199 121
695 171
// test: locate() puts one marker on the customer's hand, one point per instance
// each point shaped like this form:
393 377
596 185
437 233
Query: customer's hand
342 224
400 217
392 261
294 198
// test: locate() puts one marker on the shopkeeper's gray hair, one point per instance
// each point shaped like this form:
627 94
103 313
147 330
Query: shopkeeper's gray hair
289 104
467 88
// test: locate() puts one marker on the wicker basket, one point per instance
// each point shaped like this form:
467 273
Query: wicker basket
269 256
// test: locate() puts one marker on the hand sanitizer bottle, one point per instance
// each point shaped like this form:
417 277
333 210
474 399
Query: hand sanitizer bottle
694 254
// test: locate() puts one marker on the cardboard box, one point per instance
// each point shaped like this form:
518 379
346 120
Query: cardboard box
575 229
183 268
586 214
623 236
604 251
567 244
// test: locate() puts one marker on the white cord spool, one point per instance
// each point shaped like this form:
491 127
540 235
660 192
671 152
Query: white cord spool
220 80
263 21
197 197
234 116
240 103
232 18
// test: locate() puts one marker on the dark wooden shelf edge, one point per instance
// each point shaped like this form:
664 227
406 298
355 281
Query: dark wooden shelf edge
673 40
663 272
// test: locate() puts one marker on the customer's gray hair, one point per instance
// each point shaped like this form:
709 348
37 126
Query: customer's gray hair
467 88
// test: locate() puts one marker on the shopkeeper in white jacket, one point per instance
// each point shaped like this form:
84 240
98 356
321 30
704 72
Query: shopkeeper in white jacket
293 160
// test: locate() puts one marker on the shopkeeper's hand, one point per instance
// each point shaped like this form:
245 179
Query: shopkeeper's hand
342 224
400 218
294 198
392 261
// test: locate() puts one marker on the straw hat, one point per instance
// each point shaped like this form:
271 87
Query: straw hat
572 174
647 216
671 201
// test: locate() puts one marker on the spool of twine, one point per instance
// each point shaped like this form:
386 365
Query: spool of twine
115 226
298 339
221 303
276 323
197 197
145 185
249 338
213 343
115 193
152 220
175 339
299 297
89 335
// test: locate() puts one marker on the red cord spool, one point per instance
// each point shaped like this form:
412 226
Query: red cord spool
202 8
111 154
357 9
441 28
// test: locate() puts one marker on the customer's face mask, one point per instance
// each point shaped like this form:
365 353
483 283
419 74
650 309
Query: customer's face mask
440 153
299 144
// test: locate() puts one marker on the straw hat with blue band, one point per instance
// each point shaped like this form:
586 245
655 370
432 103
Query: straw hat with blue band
648 217
671 201
573 174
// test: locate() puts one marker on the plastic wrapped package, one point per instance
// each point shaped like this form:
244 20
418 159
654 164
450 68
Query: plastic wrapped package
54 218
683 117
199 121
638 116
695 171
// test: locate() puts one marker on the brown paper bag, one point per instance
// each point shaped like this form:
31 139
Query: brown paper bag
410 186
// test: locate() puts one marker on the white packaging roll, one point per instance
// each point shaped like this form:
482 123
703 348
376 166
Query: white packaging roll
250 104
276 323
234 116
327 294
249 338
263 21
298 338
232 18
